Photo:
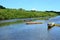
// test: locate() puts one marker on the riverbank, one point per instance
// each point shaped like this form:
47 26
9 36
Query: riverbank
6 14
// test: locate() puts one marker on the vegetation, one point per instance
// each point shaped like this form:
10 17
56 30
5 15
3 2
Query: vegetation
9 23
6 13
1 7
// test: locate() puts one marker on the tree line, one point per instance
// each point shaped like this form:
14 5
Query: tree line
6 13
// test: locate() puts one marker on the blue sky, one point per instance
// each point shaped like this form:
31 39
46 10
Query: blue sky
41 5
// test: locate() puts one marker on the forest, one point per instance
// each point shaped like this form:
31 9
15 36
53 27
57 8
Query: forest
9 13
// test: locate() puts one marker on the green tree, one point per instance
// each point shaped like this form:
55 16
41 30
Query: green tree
2 7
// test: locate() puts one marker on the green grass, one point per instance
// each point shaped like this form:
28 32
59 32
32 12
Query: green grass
17 13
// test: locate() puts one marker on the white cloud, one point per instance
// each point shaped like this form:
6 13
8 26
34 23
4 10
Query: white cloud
33 9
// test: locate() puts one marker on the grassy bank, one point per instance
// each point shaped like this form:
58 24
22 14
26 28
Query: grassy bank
21 13
8 13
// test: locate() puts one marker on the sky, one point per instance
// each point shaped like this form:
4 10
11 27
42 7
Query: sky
41 5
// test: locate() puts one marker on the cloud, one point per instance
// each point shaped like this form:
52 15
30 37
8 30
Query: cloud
33 9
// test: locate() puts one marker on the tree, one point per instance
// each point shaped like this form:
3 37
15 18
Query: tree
2 7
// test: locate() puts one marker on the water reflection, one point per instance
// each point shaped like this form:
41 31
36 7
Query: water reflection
22 31
49 28
52 27
10 23
54 32
56 20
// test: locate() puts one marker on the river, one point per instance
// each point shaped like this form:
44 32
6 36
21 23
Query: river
22 31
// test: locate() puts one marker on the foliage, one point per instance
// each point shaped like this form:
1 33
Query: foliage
1 7
22 13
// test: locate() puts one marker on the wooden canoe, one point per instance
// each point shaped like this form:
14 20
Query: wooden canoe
33 22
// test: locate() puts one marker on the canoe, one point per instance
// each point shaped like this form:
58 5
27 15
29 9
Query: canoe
33 22
53 24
